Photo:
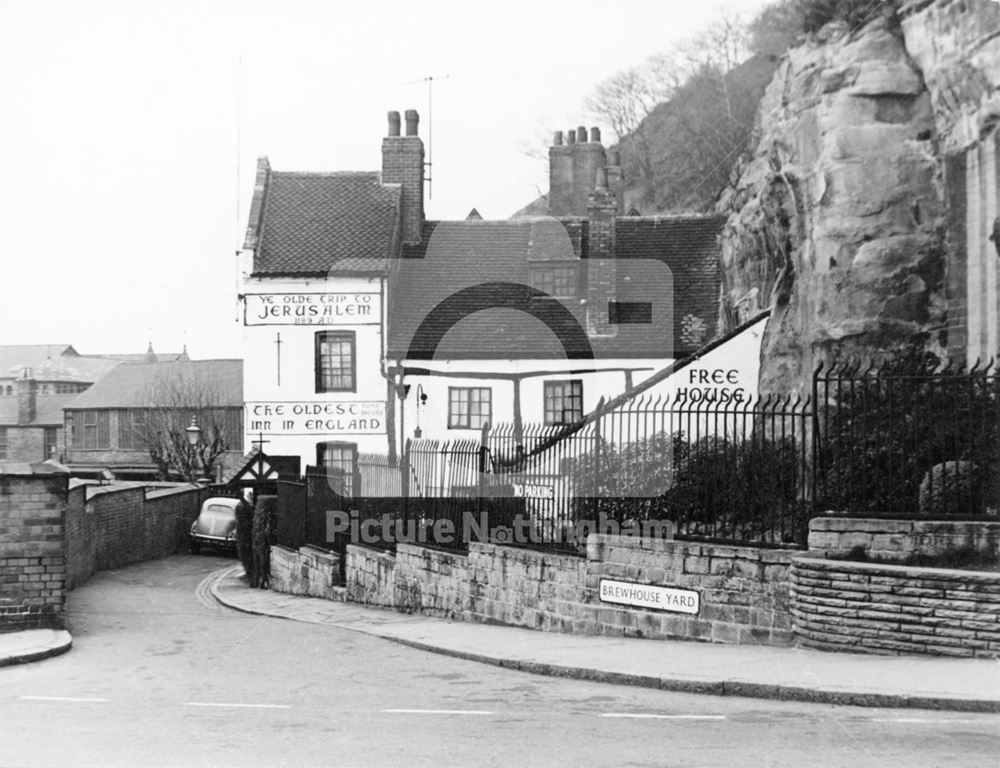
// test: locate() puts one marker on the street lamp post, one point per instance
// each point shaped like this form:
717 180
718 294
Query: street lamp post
193 432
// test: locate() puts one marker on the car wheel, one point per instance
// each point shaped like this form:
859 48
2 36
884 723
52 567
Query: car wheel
195 547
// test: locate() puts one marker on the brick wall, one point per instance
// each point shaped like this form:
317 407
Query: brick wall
308 571
743 592
110 528
897 539
32 550
889 609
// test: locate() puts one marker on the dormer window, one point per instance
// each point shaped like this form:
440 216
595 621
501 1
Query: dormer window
560 281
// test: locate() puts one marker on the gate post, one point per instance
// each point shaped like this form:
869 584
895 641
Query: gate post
404 477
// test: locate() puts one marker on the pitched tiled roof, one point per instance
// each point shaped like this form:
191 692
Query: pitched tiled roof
669 262
51 362
137 385
321 223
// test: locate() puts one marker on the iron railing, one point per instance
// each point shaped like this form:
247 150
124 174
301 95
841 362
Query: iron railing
907 438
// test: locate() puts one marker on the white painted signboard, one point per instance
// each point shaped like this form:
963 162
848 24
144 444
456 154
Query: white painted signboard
649 596
311 309
358 417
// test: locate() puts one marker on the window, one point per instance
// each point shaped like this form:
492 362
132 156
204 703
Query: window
469 407
50 442
563 401
130 429
3 442
340 460
335 364
558 282
93 430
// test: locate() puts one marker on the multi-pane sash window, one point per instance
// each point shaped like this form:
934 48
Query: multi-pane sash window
335 361
563 401
3 442
341 459
469 407
49 445
557 281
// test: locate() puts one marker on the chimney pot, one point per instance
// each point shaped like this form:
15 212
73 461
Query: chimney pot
412 121
581 134
557 139
394 123
571 136
595 134
614 158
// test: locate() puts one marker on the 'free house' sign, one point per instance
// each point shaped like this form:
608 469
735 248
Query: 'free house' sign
647 596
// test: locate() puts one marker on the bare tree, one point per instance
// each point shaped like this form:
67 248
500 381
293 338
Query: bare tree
625 101
162 427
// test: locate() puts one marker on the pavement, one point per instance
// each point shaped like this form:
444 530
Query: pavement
768 672
32 645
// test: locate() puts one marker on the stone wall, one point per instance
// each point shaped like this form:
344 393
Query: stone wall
32 548
897 539
110 528
889 609
743 592
309 571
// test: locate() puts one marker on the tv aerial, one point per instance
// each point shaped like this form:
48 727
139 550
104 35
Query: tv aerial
430 126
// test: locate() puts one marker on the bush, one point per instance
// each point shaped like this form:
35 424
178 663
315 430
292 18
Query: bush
816 14
263 537
950 488
244 538
716 487
909 438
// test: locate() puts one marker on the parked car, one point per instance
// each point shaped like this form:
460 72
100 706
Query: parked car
216 524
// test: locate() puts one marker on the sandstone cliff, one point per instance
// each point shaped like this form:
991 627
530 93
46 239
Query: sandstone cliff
840 220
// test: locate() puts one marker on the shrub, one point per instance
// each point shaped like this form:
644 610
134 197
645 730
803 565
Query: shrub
244 538
738 489
263 538
950 488
855 13
909 438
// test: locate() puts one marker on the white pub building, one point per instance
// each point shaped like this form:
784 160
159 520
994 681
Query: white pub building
366 324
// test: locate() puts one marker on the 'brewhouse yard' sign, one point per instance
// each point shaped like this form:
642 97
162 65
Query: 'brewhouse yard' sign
648 596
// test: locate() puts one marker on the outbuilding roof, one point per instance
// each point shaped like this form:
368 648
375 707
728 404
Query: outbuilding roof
215 383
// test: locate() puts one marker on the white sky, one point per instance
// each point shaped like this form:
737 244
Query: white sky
130 132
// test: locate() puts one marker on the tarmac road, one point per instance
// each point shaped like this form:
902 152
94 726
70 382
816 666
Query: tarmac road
160 674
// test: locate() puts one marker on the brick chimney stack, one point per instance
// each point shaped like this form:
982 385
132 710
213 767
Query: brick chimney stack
572 169
26 388
601 269
403 164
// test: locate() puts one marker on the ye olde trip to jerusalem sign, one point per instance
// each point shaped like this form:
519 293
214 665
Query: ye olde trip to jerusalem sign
311 308
366 417
648 596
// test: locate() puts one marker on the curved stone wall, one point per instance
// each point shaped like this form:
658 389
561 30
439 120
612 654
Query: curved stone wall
888 609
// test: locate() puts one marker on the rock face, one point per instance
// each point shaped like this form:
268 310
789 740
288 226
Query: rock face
839 221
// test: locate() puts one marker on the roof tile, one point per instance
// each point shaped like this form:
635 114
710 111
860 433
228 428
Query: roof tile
319 223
